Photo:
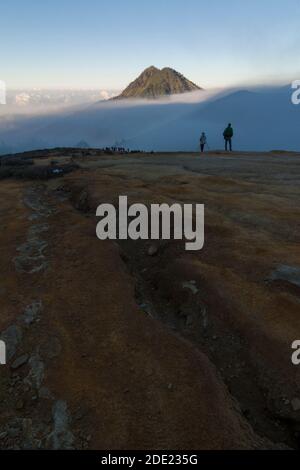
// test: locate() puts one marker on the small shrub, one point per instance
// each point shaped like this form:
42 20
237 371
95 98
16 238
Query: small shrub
11 161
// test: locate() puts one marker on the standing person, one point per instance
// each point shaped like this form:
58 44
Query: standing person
203 141
228 134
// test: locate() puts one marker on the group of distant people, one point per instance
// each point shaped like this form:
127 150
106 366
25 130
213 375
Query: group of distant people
118 149
227 134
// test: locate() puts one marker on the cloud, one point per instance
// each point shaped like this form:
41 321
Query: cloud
22 99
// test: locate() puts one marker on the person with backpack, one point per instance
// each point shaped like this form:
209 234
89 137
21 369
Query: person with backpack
228 134
203 141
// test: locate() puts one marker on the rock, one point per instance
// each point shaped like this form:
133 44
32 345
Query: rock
12 336
152 250
26 386
191 286
27 429
31 312
36 373
295 404
3 435
13 432
20 361
15 379
19 404
61 436
287 273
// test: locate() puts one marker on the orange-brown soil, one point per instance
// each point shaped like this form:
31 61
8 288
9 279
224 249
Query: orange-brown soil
111 348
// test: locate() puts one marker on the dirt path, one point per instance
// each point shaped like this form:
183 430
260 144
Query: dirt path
34 418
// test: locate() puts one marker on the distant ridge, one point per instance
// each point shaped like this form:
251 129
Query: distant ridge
154 83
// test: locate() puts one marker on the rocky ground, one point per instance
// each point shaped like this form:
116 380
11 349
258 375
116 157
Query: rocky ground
128 345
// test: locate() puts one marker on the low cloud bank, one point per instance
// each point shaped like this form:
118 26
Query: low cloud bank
263 119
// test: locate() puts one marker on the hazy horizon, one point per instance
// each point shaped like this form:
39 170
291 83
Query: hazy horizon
268 81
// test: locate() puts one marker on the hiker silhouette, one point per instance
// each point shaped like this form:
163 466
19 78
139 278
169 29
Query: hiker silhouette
203 141
228 134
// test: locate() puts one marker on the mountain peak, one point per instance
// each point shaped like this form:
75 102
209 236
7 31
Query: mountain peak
152 68
154 83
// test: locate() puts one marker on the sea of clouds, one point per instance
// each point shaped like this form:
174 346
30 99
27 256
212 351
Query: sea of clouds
263 119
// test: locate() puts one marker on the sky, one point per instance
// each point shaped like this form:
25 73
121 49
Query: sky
106 44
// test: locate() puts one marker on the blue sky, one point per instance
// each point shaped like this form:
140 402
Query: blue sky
106 44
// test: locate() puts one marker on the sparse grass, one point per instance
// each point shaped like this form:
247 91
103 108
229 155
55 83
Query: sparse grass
33 172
